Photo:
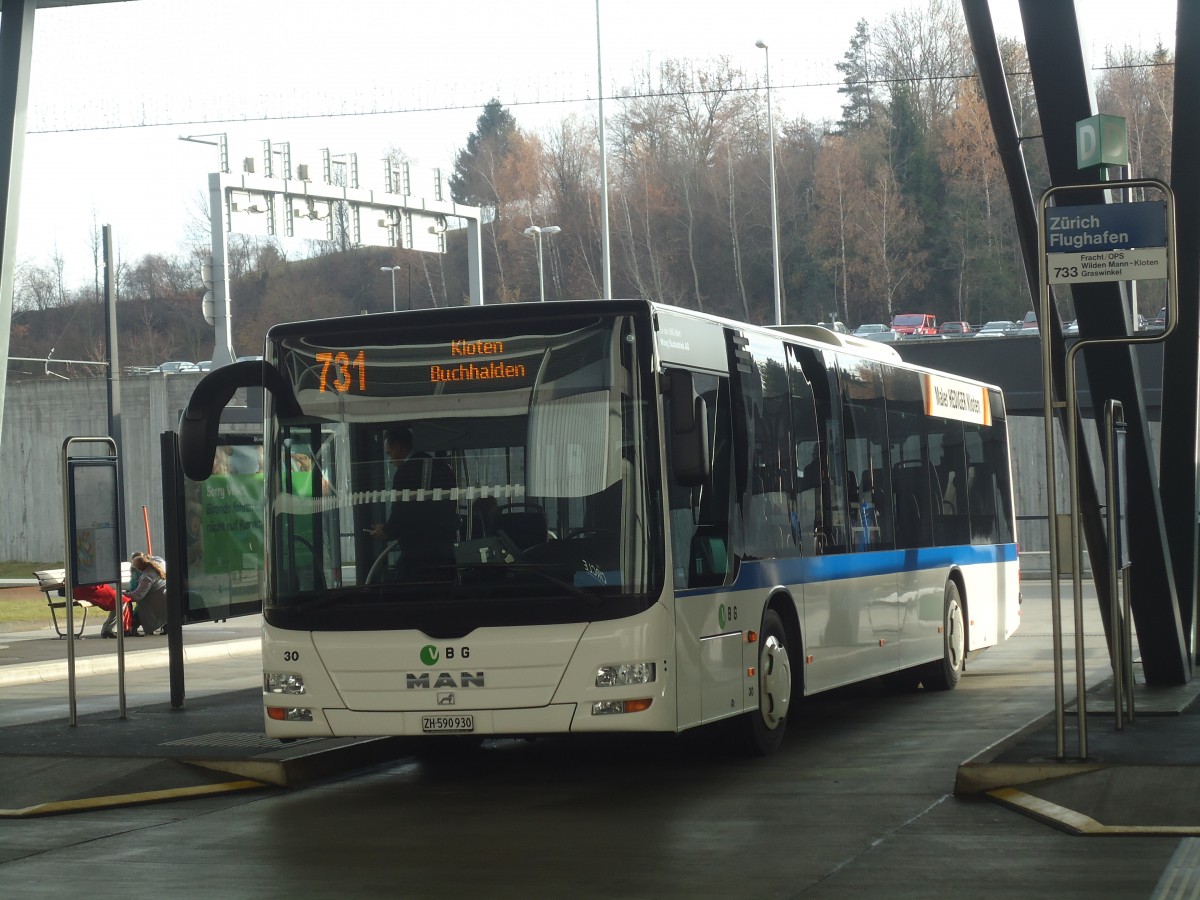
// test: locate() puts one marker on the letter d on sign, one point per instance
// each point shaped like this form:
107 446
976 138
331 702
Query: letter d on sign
1087 144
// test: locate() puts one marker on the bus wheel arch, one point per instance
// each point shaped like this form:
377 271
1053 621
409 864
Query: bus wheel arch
763 728
944 674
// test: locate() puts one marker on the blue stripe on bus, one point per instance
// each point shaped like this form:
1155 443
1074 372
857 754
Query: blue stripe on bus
800 570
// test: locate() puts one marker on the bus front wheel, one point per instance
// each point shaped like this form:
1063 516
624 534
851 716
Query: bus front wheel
943 674
767 724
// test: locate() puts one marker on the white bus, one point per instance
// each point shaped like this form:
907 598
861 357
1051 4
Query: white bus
618 516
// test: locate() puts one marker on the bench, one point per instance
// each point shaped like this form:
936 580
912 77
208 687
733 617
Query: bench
53 583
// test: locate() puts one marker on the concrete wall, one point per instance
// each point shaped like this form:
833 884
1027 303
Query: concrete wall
39 415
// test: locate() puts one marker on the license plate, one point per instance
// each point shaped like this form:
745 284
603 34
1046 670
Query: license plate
447 724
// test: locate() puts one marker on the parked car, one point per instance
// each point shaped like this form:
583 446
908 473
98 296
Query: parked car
952 329
205 365
174 367
839 327
915 323
1160 321
998 328
1029 323
868 330
876 332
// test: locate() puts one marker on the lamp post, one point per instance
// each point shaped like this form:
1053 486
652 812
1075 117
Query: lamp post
762 45
393 270
536 232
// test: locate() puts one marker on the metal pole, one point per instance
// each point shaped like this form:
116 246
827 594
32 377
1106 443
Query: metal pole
1112 411
223 353
1051 499
541 279
774 198
114 432
604 244
16 52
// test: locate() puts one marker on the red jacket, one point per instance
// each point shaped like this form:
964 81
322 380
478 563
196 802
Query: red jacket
105 597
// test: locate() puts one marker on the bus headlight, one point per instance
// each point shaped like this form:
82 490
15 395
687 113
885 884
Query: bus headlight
621 674
283 683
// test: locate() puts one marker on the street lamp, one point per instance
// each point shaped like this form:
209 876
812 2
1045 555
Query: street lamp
393 270
762 45
536 232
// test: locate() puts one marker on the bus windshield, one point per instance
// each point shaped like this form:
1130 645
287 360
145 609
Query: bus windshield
463 475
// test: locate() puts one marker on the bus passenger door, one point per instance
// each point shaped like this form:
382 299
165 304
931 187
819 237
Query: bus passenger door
708 639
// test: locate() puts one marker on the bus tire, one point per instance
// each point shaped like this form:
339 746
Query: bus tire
943 674
765 726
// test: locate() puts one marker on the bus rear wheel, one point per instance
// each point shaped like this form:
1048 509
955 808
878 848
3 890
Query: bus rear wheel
943 674
765 726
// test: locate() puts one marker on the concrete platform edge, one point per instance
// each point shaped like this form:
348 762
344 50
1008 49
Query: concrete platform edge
107 665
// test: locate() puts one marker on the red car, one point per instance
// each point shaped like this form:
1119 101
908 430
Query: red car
955 328
915 323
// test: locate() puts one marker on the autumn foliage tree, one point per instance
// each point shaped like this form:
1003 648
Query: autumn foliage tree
899 206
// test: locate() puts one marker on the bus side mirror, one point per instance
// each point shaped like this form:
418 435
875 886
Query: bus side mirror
200 422
689 430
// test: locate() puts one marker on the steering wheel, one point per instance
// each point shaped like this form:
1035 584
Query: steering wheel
378 565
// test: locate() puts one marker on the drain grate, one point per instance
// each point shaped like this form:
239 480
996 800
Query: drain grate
231 739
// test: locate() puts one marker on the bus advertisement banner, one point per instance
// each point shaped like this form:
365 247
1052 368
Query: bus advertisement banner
954 399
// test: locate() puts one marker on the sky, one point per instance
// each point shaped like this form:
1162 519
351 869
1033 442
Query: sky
114 86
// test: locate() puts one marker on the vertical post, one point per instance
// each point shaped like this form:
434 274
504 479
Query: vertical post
222 320
1114 419
16 49
774 198
176 557
1050 405
604 244
475 261
114 380
541 278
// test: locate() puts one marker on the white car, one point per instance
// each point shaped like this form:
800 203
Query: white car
998 328
175 367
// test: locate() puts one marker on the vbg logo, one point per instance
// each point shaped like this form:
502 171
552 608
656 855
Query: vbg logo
430 655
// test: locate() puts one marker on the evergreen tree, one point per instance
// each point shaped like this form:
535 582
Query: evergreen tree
487 147
856 72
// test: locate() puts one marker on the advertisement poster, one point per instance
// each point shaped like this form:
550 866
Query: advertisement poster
224 533
93 507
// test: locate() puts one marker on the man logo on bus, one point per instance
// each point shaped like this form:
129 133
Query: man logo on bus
430 655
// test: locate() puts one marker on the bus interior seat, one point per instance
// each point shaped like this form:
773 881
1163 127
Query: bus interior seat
483 517
524 524
911 486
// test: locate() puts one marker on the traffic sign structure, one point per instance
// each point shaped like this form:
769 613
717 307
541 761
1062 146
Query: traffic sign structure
1106 242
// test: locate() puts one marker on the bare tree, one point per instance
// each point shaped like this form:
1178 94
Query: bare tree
926 49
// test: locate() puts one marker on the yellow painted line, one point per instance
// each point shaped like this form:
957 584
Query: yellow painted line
1078 823
90 803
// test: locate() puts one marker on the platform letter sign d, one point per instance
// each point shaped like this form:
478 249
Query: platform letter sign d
1101 141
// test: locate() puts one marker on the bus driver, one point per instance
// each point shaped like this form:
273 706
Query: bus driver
423 529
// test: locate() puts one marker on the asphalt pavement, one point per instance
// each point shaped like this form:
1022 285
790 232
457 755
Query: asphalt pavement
212 743
1141 779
